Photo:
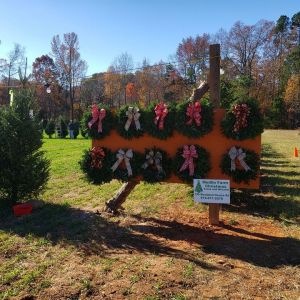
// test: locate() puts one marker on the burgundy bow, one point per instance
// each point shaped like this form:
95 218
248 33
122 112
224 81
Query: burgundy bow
241 113
161 111
98 115
97 154
189 153
193 112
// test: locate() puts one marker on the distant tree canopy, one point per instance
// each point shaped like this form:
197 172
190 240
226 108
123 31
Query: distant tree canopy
260 61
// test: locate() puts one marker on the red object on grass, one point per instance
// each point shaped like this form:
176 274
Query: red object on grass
22 209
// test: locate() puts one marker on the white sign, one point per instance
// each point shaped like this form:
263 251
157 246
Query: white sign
212 191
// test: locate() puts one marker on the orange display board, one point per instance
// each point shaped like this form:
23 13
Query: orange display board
214 142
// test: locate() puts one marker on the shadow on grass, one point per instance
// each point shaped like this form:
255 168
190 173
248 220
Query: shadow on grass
93 234
88 232
279 188
257 249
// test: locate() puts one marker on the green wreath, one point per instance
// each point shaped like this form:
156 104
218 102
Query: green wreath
152 158
122 122
241 174
95 174
107 123
192 130
255 124
121 172
168 124
201 163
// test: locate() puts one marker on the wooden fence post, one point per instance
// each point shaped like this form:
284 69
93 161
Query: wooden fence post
214 89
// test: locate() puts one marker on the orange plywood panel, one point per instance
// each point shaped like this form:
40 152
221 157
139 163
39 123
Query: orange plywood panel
214 142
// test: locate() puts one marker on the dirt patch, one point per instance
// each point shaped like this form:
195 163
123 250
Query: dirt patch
177 255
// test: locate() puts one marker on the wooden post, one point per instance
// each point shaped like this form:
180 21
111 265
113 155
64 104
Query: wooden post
119 198
214 74
214 89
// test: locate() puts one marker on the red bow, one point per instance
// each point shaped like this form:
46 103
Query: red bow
241 113
193 111
97 154
98 115
189 153
161 111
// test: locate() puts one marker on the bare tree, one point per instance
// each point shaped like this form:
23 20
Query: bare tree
14 61
68 62
123 64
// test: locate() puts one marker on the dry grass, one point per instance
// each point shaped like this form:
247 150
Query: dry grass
161 246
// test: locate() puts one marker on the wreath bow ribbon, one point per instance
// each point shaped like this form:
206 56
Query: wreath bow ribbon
161 111
153 158
98 115
241 113
193 112
234 154
133 114
123 156
189 153
97 154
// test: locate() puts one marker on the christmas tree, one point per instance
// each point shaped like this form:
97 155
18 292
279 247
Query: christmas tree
198 188
24 170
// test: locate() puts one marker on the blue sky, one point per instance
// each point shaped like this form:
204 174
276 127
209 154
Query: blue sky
145 29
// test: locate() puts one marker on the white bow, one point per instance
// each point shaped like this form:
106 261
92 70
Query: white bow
126 156
234 154
133 114
153 159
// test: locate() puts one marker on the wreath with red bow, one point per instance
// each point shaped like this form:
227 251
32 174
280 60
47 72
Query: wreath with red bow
194 119
96 165
243 120
191 161
159 119
98 121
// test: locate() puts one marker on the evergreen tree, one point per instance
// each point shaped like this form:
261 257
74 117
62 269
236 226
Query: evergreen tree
296 24
76 129
50 128
63 128
24 170
83 126
227 93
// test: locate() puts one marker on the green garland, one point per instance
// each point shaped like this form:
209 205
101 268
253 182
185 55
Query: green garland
152 128
193 130
107 123
151 174
255 122
239 174
121 119
96 175
121 172
202 165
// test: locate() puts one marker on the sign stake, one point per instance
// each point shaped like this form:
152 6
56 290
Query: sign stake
214 85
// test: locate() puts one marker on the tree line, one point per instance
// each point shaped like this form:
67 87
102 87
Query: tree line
260 61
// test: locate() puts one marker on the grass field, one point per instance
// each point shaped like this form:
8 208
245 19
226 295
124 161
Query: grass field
160 247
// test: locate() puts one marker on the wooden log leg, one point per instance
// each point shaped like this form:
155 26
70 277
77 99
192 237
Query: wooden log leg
119 198
214 213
